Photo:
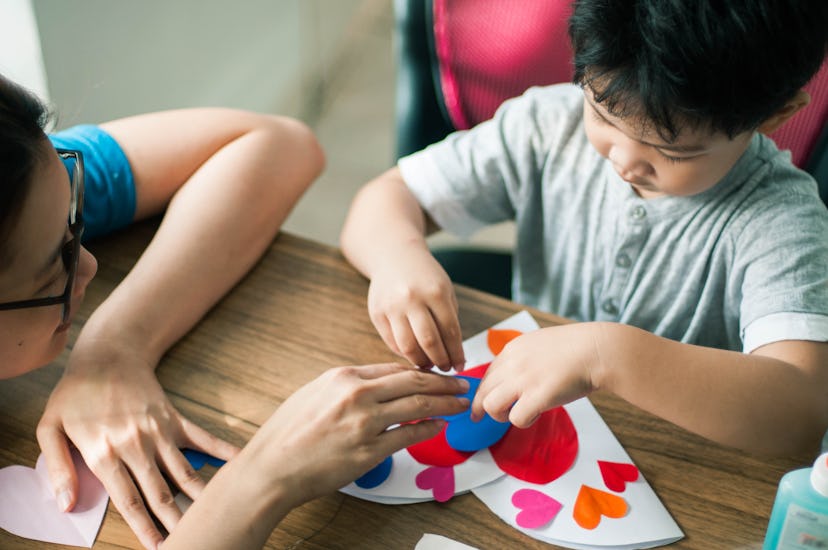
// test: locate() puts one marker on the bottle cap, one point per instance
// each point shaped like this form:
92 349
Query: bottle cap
819 475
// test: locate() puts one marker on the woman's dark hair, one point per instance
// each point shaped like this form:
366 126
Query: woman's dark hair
726 65
22 120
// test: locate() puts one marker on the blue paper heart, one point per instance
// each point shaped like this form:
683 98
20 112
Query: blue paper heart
197 459
462 434
376 475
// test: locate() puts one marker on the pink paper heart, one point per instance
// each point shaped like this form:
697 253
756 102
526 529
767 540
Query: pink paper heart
28 507
536 508
439 480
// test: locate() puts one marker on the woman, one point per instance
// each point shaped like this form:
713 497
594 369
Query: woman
227 180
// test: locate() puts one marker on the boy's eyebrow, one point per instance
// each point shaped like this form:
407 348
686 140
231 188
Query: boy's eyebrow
695 148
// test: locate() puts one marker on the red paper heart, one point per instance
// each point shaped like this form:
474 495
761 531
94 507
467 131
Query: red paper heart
437 452
541 453
439 480
617 474
593 503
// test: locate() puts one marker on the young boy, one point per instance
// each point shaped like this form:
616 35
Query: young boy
650 206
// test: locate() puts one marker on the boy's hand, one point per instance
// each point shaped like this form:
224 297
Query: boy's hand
110 405
412 304
538 371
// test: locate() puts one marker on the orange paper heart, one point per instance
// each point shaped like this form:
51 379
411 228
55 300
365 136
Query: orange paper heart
498 338
593 503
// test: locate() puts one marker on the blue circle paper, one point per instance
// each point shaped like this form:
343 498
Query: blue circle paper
375 476
462 434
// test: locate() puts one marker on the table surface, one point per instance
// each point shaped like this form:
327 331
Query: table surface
303 310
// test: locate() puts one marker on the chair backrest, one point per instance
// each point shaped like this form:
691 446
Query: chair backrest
460 59
800 134
488 51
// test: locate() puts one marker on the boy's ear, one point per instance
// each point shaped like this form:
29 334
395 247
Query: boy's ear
780 117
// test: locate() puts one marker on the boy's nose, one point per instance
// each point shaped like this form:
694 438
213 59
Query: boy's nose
628 163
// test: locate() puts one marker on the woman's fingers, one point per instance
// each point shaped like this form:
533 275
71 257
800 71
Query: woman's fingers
157 493
127 499
409 381
406 435
59 464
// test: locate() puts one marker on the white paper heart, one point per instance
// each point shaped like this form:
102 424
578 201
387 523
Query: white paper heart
28 507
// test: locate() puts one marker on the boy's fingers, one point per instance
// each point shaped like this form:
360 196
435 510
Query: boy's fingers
498 402
60 466
406 342
383 327
450 334
429 339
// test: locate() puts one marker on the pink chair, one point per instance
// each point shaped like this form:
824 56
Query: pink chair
460 59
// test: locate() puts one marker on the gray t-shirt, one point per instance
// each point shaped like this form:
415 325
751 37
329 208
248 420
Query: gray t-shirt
740 265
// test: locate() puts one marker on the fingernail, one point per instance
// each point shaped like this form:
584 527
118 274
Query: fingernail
64 499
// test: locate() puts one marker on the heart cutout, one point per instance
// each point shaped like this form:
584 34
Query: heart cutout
498 338
28 507
593 503
376 475
440 481
541 453
536 508
617 474
197 459
437 452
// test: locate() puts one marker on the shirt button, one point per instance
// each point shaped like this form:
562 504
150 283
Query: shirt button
609 306
623 260
638 213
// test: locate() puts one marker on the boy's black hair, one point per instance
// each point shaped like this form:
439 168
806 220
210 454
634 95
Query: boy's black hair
724 65
22 120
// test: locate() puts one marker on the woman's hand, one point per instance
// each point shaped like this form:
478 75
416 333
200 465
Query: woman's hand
335 428
110 405
325 435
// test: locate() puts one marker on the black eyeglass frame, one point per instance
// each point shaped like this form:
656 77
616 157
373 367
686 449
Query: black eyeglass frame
73 245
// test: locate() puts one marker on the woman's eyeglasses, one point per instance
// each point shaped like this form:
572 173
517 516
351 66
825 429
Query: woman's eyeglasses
70 253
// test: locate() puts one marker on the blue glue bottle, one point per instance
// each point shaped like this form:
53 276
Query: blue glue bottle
799 520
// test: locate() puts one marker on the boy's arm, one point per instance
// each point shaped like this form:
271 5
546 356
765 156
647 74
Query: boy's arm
773 401
230 179
410 300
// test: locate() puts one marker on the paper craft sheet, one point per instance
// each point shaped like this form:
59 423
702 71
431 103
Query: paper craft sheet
401 487
597 499
647 522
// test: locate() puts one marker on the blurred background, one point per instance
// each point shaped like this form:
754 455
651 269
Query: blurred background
329 63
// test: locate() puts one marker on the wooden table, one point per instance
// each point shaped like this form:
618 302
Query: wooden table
303 310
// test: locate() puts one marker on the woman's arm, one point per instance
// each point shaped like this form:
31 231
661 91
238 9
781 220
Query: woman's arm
228 179
324 436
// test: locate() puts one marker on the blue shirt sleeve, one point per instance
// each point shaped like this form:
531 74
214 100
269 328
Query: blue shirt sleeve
109 186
